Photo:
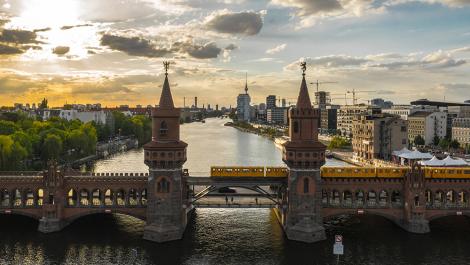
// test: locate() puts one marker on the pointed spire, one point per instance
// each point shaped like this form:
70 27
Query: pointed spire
303 101
166 100
246 83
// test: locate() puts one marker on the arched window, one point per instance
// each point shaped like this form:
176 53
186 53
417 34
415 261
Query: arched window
296 126
163 128
306 185
163 186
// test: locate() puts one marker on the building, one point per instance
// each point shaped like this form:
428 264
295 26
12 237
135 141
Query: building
461 131
428 125
322 99
243 106
277 115
346 114
329 119
381 103
377 136
270 101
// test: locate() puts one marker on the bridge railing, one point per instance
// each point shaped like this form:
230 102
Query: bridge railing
21 173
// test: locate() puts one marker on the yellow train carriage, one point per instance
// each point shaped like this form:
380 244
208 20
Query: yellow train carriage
447 172
237 171
348 172
276 172
391 172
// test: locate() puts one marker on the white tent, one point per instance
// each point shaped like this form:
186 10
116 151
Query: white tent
448 161
400 152
416 155
433 162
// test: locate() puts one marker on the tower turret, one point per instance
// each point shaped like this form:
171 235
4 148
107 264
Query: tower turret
165 156
304 155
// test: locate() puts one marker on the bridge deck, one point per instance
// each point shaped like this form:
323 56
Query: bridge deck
235 205
240 181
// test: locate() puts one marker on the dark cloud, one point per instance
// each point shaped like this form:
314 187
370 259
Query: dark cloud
133 46
42 30
245 23
311 7
231 47
206 51
5 49
138 46
61 50
75 26
18 36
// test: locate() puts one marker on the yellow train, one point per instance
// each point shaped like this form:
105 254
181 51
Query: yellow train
393 172
344 172
248 172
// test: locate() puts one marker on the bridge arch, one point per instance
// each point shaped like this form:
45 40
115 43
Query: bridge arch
328 215
95 211
20 212
258 191
447 214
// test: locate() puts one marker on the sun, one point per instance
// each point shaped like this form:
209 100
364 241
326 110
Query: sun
52 14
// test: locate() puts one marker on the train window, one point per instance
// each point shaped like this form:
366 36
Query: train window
356 170
451 171
459 171
466 171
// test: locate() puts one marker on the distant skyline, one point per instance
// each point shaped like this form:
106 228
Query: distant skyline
109 51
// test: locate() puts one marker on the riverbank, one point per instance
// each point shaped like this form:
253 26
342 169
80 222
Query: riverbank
344 155
246 127
106 149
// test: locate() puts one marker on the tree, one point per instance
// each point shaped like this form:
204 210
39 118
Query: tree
6 144
419 140
43 104
8 127
454 144
444 143
51 148
436 140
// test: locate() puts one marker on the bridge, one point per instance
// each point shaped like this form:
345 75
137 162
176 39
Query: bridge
303 194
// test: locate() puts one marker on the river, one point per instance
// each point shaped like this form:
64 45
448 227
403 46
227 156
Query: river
226 236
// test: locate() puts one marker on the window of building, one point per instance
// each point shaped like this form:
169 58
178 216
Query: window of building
306 185
296 126
163 128
163 186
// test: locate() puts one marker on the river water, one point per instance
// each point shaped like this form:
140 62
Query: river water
226 236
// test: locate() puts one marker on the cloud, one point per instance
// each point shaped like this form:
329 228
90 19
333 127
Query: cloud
9 50
244 23
136 46
276 49
61 50
231 47
75 26
307 12
455 88
18 36
206 51
435 60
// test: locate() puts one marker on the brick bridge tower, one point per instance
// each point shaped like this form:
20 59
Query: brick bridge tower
304 155
414 219
54 201
165 156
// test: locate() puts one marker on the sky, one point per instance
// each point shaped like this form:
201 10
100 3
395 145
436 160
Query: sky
111 51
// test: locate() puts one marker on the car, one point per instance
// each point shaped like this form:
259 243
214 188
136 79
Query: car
226 190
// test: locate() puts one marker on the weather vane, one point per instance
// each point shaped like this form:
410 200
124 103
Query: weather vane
303 66
166 65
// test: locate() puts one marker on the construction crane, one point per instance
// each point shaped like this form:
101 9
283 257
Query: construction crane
321 83
342 94
354 92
